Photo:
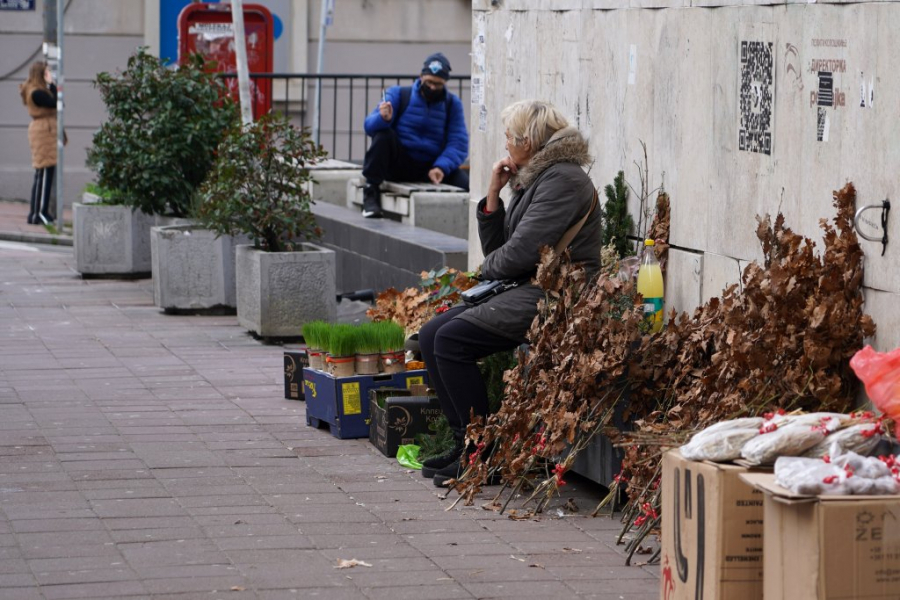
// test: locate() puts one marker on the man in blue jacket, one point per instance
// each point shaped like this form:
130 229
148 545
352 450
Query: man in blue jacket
418 134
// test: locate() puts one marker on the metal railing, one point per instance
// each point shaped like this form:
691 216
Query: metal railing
346 100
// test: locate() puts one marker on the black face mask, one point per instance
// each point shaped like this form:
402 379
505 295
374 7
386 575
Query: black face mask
431 95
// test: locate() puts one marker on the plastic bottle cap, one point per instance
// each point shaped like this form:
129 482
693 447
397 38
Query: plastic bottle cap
649 243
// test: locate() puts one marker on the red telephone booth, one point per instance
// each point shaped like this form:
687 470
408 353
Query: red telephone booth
207 28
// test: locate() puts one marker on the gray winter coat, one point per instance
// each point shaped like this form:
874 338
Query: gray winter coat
551 193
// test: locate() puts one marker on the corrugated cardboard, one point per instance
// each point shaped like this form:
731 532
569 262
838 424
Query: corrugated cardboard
712 529
294 363
398 419
829 547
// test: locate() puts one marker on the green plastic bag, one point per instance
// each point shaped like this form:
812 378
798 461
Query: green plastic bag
408 456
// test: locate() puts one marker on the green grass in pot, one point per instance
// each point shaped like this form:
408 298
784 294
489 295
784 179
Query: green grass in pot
315 334
342 341
367 340
391 337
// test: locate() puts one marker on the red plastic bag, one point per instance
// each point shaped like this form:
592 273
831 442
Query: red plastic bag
880 372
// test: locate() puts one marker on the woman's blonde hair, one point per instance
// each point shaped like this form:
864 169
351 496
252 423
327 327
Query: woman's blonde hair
534 120
35 80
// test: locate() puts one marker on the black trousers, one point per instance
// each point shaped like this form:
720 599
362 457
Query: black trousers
40 195
387 160
451 348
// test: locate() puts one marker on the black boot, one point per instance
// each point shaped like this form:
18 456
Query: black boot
431 466
455 469
372 202
451 471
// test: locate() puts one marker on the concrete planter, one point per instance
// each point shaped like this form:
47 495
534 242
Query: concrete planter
192 269
277 292
114 241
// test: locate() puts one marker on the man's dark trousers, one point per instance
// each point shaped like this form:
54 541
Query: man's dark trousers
387 160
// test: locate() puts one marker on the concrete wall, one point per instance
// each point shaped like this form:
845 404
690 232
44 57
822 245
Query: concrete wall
367 36
672 79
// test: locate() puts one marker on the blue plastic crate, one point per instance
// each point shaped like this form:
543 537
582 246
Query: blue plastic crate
342 403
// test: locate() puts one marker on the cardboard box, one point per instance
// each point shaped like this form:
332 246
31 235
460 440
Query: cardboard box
397 418
712 526
829 547
294 363
341 403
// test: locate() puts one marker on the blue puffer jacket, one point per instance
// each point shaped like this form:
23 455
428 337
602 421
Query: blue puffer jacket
421 128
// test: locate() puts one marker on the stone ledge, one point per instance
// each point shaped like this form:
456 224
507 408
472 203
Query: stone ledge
380 253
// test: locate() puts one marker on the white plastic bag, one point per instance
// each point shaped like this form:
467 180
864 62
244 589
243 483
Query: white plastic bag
791 439
860 438
722 441
847 474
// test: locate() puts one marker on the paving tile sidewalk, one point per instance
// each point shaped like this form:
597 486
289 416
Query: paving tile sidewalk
145 455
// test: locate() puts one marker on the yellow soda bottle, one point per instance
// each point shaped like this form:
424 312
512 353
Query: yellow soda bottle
650 286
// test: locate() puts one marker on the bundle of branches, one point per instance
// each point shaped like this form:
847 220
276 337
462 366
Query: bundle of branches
784 341
413 307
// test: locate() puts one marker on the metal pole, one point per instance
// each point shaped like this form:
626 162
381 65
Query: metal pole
327 15
240 47
60 121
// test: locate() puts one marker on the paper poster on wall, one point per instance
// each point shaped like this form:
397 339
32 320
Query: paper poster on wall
478 45
482 119
756 95
828 64
477 90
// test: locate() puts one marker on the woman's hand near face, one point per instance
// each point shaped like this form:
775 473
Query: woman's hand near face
502 170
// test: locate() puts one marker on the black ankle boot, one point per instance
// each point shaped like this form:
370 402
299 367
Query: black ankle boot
372 202
431 466
451 471
455 469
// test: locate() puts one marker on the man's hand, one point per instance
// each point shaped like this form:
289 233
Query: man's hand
386 110
436 175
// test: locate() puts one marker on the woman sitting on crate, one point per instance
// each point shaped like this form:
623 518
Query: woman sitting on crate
551 196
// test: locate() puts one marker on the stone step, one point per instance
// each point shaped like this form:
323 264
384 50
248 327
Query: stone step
441 208
381 253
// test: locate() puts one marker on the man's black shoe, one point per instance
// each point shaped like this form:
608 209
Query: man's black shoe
372 202
431 466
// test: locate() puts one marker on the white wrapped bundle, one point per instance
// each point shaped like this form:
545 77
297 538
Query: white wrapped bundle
722 441
792 439
860 438
848 474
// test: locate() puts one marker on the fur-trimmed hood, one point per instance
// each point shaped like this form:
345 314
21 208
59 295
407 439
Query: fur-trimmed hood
566 145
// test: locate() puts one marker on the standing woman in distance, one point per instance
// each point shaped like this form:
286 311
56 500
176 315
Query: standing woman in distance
39 96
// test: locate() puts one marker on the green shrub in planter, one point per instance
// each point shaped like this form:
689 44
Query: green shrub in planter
159 141
258 185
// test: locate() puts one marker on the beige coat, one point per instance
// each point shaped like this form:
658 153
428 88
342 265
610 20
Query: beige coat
41 133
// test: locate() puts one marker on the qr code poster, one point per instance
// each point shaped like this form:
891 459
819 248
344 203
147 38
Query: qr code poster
756 96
